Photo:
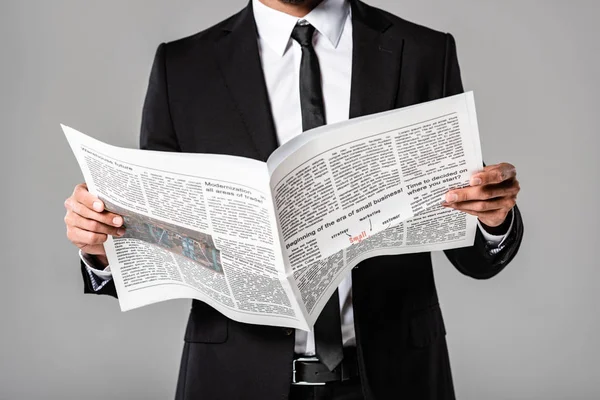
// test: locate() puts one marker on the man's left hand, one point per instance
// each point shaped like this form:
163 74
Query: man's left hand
491 195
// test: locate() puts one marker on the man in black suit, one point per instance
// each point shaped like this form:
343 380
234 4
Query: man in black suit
247 85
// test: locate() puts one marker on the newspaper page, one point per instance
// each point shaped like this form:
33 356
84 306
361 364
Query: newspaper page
198 226
372 186
268 243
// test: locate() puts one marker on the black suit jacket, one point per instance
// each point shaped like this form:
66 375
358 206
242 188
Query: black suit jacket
207 94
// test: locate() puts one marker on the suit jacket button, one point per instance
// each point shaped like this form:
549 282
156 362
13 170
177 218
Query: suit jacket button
288 331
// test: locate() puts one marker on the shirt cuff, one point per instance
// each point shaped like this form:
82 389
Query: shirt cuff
98 277
496 241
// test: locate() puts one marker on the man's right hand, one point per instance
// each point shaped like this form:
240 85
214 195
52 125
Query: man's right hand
89 224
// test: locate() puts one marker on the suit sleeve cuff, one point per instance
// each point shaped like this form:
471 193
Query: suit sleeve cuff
98 277
495 240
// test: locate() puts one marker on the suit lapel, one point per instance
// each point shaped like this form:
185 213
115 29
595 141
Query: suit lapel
239 61
376 62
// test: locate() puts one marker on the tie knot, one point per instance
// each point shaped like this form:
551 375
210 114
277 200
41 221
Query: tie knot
303 34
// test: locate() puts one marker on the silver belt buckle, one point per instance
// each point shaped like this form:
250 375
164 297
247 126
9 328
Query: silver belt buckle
304 359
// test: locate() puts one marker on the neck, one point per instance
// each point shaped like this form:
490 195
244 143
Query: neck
296 8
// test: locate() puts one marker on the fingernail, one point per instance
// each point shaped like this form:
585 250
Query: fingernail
97 206
120 231
451 197
475 181
118 221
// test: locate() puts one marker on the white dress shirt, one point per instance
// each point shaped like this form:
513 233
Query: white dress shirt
280 57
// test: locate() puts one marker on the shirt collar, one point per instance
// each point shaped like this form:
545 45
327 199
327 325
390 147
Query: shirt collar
275 27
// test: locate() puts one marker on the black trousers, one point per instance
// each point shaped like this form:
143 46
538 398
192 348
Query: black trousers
348 390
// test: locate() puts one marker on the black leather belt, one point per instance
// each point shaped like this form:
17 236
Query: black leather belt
310 371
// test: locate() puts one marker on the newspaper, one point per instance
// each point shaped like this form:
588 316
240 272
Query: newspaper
268 243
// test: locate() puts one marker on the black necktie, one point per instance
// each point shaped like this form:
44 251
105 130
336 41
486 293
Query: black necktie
311 92
328 328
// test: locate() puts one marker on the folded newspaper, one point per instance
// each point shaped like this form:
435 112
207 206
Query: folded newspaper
268 243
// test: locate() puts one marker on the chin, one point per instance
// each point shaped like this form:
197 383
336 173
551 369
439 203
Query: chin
294 1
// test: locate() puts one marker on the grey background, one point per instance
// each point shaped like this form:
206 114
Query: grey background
530 333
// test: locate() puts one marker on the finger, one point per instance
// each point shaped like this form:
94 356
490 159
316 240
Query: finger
493 174
81 237
487 192
505 203
464 194
507 188
105 217
76 220
84 197
95 249
490 218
